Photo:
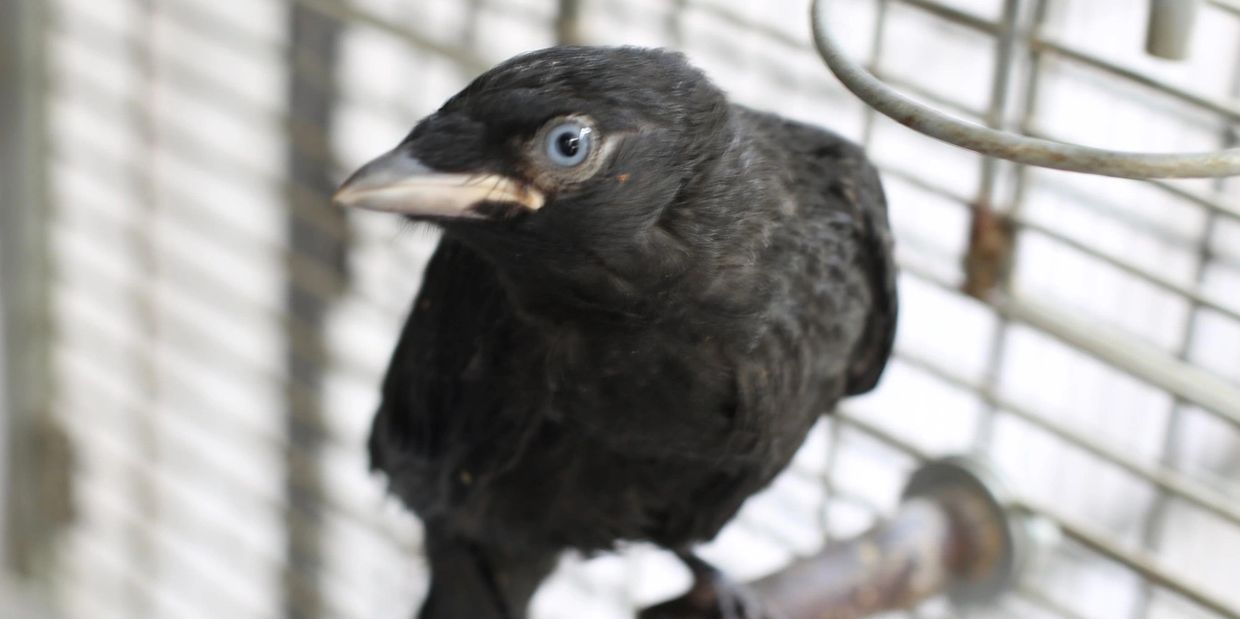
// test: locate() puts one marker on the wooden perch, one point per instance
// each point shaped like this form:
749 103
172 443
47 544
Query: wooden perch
950 536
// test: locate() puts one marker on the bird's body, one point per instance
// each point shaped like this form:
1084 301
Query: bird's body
567 380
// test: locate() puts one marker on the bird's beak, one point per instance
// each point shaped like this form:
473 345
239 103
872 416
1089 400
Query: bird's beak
396 182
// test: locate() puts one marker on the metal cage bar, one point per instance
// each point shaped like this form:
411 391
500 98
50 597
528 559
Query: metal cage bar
311 362
1031 151
33 458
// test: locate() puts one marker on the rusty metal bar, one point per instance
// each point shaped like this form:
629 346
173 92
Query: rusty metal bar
953 534
992 239
1018 148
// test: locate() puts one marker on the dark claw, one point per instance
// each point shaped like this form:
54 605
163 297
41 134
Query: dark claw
712 596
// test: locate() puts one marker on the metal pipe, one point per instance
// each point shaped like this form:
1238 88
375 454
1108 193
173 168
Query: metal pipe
1021 149
952 535
873 64
1170 28
567 25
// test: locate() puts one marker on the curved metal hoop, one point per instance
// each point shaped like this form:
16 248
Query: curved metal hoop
1004 145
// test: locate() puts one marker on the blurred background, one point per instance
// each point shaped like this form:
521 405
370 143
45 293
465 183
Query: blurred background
194 337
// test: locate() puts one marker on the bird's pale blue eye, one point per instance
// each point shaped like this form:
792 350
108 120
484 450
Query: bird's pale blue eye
568 144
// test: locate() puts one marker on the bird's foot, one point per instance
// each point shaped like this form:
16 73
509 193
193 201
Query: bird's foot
712 596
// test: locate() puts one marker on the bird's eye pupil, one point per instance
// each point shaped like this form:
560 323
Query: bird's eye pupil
567 143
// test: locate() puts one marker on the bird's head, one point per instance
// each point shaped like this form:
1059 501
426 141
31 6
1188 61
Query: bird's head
583 173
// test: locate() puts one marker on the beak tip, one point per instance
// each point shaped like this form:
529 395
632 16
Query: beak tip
338 198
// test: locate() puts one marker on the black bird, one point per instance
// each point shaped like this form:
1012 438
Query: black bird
643 298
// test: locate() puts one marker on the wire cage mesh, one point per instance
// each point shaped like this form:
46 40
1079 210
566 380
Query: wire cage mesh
217 331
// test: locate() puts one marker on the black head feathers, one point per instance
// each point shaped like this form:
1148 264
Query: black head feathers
566 168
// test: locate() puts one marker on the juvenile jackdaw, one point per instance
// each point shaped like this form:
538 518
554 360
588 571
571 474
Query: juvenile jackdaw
643 298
